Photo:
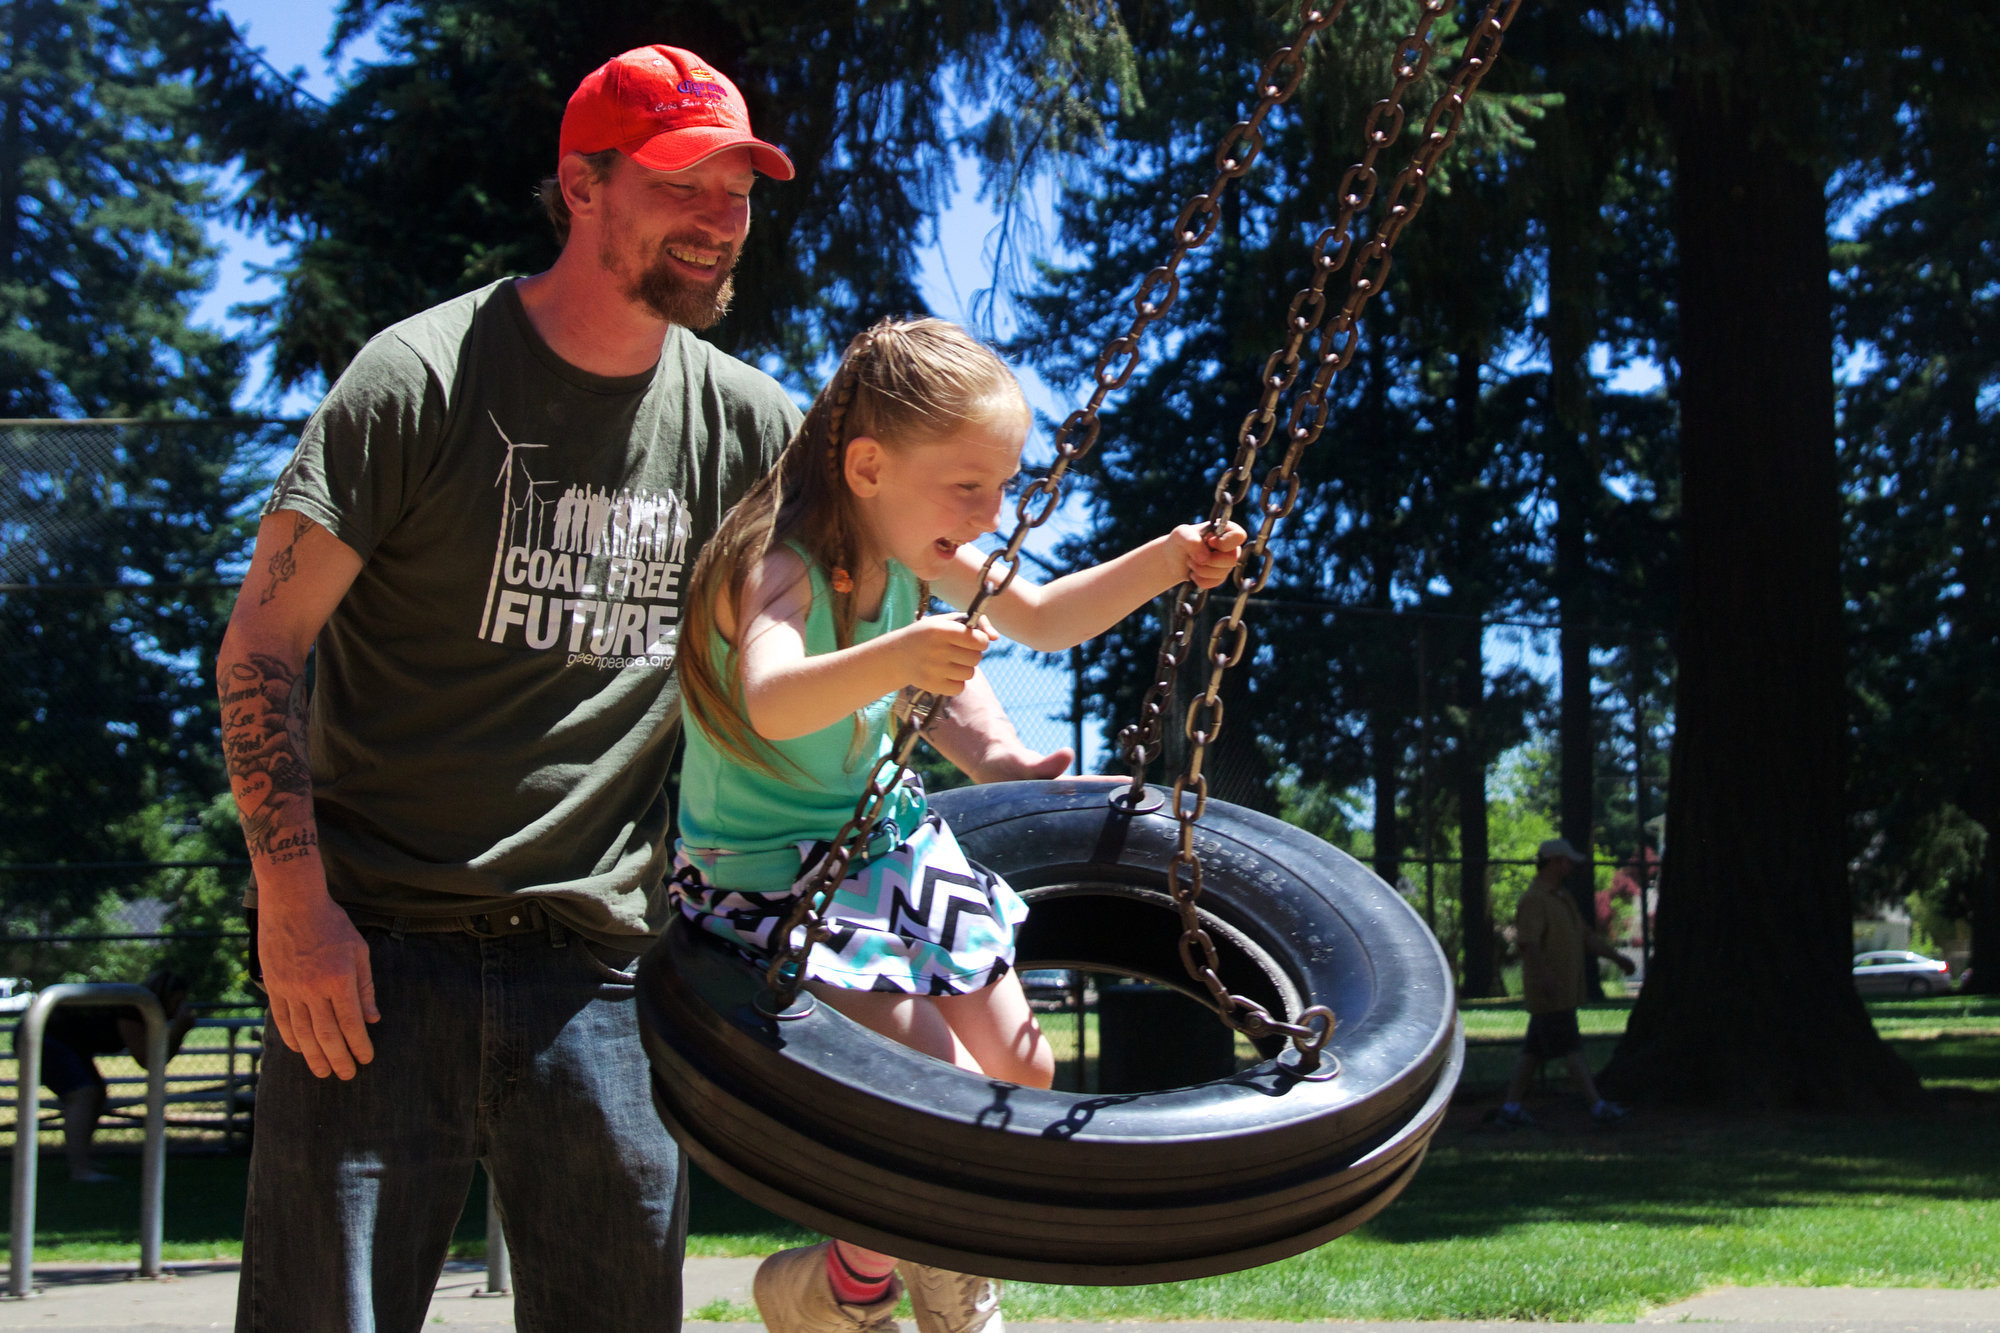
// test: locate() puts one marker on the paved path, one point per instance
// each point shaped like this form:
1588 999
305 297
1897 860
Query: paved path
102 1298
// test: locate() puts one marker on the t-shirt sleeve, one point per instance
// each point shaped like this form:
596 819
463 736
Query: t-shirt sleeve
1530 921
363 453
777 425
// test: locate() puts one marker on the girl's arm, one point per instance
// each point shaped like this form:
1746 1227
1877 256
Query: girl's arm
1061 614
789 693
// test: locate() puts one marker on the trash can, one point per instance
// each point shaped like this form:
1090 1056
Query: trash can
1152 1037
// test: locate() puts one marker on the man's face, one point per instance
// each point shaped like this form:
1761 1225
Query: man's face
671 238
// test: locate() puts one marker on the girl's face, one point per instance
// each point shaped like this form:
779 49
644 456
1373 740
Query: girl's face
923 501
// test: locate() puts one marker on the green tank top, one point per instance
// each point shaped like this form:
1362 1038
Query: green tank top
742 825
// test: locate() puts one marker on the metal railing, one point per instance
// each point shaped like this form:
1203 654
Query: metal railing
210 1090
28 1093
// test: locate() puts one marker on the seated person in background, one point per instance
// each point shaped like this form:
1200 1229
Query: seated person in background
76 1034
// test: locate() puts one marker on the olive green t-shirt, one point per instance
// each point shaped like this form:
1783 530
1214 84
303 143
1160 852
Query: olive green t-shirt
493 710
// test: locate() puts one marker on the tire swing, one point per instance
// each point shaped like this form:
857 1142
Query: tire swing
804 1112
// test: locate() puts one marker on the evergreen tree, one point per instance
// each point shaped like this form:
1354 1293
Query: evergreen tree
103 206
1749 999
103 253
417 181
1919 297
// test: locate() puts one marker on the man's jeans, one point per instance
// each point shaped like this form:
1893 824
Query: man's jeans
513 1051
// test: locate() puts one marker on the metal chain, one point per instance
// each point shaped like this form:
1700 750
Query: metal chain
1279 490
1038 502
1078 435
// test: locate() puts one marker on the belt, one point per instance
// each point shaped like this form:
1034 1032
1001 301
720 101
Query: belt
526 919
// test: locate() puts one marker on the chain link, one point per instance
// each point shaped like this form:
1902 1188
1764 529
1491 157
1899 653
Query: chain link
1074 439
1279 490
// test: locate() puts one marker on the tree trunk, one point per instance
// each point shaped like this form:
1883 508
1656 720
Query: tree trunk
1383 752
1984 898
1475 909
1571 325
11 136
1750 1000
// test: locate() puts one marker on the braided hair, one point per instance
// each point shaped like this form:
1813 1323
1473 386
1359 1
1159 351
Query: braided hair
904 383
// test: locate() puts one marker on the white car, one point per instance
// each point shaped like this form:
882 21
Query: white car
1899 972
16 994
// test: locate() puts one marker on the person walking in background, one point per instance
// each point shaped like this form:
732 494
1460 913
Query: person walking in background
1554 942
76 1034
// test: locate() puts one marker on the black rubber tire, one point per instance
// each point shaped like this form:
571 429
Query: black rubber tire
1919 986
849 1133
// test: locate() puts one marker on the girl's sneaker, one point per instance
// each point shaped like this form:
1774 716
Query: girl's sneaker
947 1302
794 1296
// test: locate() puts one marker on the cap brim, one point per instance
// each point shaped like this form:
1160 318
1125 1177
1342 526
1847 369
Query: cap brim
677 150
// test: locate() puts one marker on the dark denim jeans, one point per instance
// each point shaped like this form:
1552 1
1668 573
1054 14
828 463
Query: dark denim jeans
511 1051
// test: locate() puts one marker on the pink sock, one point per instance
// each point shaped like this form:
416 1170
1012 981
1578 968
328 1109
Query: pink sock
852 1285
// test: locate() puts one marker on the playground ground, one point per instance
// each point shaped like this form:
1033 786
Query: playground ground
1673 1214
93 1298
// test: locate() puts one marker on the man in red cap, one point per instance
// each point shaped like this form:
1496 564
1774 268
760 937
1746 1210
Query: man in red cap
458 830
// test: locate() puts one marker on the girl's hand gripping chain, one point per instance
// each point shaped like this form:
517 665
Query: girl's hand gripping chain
1206 556
939 653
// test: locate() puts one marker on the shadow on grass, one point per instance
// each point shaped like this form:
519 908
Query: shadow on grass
1673 1170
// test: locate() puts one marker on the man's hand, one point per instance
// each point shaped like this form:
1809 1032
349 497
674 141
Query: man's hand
315 962
321 989
1020 764
974 734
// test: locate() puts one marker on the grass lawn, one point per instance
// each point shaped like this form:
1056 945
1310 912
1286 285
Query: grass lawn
1571 1223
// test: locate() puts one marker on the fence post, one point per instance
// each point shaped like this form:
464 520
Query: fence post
499 1266
229 1092
28 1114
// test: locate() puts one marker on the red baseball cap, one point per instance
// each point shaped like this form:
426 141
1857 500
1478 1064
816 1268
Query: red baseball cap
664 108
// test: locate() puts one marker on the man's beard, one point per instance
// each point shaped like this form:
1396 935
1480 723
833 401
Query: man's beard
663 290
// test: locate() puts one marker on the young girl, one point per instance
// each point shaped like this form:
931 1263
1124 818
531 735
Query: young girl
802 626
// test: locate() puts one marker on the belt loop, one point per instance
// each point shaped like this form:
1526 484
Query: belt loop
558 937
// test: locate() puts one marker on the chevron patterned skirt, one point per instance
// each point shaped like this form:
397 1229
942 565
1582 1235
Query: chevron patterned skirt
920 919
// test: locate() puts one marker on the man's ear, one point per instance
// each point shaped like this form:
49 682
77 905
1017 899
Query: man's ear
582 187
863 468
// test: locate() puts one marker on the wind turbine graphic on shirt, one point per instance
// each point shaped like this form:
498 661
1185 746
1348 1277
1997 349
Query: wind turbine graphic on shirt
506 483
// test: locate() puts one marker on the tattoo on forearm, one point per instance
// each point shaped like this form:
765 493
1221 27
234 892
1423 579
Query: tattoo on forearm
264 747
284 563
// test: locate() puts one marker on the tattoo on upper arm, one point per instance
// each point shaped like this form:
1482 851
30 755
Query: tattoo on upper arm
285 562
264 747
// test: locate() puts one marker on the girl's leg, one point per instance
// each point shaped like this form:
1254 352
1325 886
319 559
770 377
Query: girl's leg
998 1029
991 1031
914 1021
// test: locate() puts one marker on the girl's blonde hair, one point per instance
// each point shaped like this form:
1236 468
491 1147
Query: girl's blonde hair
904 383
